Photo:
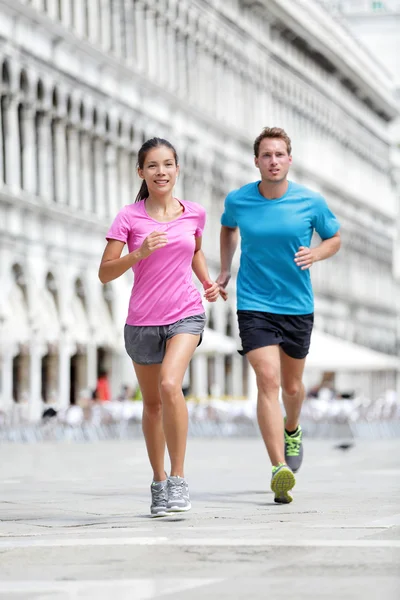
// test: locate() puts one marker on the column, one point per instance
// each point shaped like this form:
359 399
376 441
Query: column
45 157
94 21
6 380
252 385
91 366
152 43
123 164
105 24
2 137
11 132
170 56
112 183
199 383
116 27
80 17
60 162
140 37
99 190
29 164
66 16
35 380
65 351
130 32
73 167
52 9
218 388
237 375
86 184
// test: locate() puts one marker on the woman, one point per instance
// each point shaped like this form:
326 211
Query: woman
166 317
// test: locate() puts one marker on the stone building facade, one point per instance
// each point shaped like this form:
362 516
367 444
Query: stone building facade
83 84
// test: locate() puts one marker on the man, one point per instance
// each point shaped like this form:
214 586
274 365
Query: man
276 219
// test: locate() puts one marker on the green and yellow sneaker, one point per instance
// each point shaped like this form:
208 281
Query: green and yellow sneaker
282 482
294 449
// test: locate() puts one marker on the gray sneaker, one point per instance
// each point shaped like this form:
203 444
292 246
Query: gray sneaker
159 498
178 495
294 450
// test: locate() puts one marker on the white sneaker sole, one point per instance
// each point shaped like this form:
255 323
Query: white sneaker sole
162 513
179 508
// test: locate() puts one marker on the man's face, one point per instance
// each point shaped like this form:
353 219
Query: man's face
273 160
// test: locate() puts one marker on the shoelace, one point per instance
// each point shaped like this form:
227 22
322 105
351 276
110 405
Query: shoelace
176 489
159 495
293 446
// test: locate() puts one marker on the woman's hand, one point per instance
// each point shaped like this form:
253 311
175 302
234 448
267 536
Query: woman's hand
153 242
213 291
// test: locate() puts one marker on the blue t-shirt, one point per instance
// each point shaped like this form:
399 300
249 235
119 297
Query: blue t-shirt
271 233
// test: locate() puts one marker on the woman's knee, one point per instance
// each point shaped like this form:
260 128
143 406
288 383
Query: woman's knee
170 388
153 410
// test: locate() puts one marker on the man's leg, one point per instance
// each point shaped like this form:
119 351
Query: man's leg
266 364
292 388
292 396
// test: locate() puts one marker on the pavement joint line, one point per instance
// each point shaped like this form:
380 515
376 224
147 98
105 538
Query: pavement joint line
140 588
222 542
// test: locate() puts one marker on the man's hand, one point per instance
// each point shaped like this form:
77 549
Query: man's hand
305 257
223 280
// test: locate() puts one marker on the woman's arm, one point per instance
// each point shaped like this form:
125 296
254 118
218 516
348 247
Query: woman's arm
113 265
199 266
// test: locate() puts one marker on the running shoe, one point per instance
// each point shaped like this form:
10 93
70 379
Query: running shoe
159 498
282 482
178 495
294 449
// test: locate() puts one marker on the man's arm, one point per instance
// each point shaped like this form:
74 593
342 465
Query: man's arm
228 243
306 257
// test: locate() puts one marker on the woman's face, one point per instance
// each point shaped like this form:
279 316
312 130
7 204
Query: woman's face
159 170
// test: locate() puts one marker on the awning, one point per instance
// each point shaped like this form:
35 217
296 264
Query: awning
215 342
16 325
330 353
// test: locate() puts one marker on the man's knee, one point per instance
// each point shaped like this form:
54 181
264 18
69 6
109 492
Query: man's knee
268 380
292 388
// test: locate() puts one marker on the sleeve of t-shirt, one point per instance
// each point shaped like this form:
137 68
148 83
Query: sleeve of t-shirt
228 218
200 222
324 222
119 229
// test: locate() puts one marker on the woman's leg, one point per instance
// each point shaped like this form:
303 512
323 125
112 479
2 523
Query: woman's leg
180 349
148 378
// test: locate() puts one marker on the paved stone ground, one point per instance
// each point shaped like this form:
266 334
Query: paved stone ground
74 524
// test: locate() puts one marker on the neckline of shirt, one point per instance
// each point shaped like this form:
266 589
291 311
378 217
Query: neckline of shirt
273 199
163 222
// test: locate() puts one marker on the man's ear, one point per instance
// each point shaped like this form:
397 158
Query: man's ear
256 161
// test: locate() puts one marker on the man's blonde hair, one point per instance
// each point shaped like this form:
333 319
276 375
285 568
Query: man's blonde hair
272 132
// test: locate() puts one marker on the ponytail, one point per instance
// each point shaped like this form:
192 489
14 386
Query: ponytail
143 192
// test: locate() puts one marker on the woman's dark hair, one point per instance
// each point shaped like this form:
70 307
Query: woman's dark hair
147 146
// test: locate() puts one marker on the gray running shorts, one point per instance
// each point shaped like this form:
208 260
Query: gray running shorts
146 345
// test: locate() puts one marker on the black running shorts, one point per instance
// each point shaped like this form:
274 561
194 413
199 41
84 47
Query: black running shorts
291 332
